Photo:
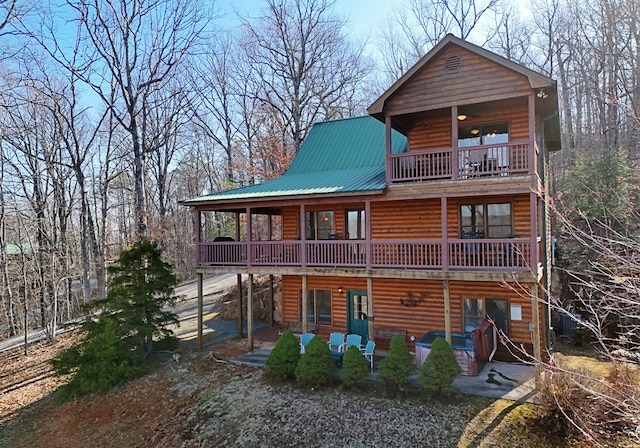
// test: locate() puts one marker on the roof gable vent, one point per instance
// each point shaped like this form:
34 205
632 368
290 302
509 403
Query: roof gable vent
452 64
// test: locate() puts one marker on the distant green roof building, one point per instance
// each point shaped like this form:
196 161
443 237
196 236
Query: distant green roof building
337 157
19 249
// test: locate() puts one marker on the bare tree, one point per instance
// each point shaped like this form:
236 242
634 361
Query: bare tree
606 307
304 63
133 50
411 32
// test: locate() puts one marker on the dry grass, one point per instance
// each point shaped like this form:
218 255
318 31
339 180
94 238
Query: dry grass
205 401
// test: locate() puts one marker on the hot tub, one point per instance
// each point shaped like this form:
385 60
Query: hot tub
462 344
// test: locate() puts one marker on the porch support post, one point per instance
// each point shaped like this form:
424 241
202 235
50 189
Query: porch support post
303 236
271 300
250 313
239 286
444 260
249 253
532 134
200 312
387 122
370 315
535 231
367 230
304 304
535 322
197 233
239 282
447 310
454 142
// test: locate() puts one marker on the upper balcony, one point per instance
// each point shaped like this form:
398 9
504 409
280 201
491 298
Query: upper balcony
506 254
504 159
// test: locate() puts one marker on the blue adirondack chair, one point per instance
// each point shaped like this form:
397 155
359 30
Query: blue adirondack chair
368 352
352 339
304 340
335 341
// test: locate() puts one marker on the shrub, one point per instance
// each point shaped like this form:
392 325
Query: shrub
97 363
282 361
440 368
355 368
398 365
597 399
316 365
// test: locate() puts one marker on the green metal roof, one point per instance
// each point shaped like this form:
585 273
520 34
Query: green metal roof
337 157
18 249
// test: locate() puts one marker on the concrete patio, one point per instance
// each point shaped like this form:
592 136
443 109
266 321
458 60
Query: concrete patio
511 381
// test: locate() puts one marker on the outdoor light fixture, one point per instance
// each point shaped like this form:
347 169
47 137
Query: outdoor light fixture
541 94
475 131
340 290
462 117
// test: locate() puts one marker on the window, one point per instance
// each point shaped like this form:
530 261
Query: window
483 134
359 307
486 220
495 155
319 225
318 306
475 310
355 225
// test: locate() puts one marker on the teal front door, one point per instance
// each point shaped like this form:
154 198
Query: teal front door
357 313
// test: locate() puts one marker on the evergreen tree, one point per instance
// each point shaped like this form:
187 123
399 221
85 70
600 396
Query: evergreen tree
398 365
440 368
316 366
120 331
355 368
283 359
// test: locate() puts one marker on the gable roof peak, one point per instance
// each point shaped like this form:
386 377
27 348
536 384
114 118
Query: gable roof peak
535 79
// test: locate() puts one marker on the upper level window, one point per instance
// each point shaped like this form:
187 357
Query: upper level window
355 224
319 225
486 220
483 134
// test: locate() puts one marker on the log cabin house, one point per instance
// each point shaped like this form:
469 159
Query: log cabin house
427 215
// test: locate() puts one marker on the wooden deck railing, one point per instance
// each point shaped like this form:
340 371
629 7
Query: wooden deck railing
504 159
512 254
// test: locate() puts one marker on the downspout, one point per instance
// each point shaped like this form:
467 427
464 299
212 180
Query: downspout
545 268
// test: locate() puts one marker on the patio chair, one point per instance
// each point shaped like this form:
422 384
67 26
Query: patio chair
352 339
335 341
304 340
368 352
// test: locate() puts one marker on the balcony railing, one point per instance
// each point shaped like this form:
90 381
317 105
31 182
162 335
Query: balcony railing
509 254
504 159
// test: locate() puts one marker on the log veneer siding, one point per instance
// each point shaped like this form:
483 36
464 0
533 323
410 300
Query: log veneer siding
475 82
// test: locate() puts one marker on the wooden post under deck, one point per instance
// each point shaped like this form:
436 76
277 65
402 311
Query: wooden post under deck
304 304
271 300
447 310
370 315
250 313
535 321
239 286
239 282
200 312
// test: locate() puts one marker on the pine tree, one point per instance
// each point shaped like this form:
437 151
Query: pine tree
440 368
355 368
316 365
398 365
121 329
283 359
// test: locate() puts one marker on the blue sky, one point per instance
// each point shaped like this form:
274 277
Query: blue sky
365 16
